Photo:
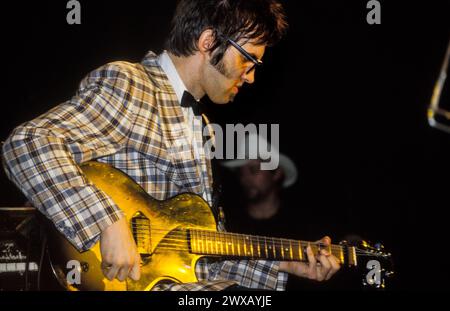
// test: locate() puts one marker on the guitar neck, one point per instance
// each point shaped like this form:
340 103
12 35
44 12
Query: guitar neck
260 247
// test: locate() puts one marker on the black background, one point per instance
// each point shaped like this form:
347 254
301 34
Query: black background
350 98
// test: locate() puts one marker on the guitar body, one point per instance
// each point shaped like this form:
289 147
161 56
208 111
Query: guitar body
156 227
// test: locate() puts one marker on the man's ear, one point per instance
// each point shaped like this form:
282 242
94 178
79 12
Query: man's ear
206 41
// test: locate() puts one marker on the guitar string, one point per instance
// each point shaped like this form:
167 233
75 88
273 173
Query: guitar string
225 249
318 245
236 255
207 245
227 245
175 242
283 243
248 254
181 236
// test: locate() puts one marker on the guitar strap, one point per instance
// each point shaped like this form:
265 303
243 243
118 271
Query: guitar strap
217 195
216 181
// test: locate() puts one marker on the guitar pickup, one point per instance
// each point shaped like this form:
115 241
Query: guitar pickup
140 228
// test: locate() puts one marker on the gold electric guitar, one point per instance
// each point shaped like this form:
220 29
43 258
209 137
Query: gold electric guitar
172 235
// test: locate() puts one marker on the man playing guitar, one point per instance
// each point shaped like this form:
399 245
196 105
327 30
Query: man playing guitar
135 117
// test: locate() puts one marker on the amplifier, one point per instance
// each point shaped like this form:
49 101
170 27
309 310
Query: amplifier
19 248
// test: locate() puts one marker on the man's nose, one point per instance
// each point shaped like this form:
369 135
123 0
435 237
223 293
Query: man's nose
249 77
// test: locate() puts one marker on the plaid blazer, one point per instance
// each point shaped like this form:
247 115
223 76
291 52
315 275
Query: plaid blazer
126 115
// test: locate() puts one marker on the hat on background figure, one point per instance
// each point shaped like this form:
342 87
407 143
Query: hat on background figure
250 144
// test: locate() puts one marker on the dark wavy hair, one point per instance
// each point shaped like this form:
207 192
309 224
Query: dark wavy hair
263 20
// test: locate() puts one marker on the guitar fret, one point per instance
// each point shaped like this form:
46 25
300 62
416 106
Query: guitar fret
245 247
208 242
290 250
300 251
204 244
221 244
286 249
265 247
232 245
294 255
226 245
216 246
214 242
259 247
200 241
225 241
238 246
287 253
236 243
273 248
222 251
211 242
205 234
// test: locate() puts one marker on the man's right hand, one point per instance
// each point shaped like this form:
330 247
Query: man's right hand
120 258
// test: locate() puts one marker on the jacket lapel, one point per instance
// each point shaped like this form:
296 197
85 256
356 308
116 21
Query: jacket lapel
173 126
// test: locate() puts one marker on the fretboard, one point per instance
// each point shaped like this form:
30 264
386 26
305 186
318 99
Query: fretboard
260 247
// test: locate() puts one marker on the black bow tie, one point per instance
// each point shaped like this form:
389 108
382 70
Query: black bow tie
189 101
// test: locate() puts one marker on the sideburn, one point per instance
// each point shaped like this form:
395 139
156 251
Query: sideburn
220 67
